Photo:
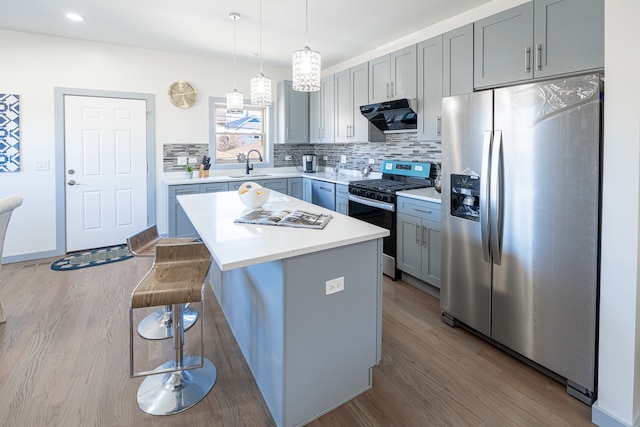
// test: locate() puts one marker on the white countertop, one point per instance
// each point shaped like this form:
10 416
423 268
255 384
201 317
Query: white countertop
179 178
428 194
239 245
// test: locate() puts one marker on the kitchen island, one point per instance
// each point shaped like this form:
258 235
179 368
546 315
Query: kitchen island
309 350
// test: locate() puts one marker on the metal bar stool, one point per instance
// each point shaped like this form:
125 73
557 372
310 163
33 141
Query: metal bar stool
177 277
158 325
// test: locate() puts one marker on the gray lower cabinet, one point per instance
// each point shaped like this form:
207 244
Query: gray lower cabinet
418 234
294 187
179 224
539 39
342 199
306 189
277 184
214 187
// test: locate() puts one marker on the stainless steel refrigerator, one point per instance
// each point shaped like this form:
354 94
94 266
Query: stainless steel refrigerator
520 222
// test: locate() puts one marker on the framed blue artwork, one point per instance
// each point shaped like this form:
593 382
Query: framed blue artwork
9 133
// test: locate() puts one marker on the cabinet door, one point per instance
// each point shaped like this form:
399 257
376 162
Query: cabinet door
344 110
359 96
214 187
403 73
328 101
315 117
568 36
179 223
278 184
409 240
294 187
430 89
293 114
457 61
306 189
342 199
431 252
379 77
503 47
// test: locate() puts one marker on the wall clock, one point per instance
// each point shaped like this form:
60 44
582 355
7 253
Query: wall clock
182 94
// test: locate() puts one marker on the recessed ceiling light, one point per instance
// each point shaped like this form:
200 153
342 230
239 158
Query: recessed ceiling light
74 17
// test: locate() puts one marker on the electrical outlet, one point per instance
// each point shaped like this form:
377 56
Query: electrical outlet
372 161
325 157
343 158
42 165
287 157
182 161
193 160
335 285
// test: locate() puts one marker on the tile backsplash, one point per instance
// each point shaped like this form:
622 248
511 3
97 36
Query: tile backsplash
399 146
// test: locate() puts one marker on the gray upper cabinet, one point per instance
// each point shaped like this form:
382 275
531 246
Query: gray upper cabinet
430 89
502 50
568 37
393 76
293 114
315 117
322 112
457 61
352 91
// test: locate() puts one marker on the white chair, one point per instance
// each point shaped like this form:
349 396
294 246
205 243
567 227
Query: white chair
7 205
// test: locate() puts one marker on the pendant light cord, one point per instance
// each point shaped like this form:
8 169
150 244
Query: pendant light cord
260 36
306 22
234 54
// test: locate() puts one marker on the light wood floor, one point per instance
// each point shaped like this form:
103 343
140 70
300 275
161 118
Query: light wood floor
65 362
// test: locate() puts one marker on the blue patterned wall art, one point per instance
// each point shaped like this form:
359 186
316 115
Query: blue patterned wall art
9 133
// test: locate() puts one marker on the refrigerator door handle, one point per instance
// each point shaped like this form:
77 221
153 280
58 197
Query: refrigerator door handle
484 195
495 214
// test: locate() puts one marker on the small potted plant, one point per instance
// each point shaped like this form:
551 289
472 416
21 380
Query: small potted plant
189 170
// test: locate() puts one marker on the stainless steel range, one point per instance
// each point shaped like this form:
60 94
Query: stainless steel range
374 201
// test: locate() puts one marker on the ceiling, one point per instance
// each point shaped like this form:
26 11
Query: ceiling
338 29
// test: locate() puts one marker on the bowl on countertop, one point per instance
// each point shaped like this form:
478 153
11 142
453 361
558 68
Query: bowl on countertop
253 195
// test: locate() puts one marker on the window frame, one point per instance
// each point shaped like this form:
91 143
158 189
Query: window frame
268 133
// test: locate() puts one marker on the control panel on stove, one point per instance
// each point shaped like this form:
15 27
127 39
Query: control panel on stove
413 169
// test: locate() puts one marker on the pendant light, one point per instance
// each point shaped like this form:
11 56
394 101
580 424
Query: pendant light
235 99
306 63
261 85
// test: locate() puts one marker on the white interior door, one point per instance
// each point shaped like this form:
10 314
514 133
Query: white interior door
105 170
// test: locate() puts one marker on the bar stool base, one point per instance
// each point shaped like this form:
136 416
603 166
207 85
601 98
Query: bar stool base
167 394
157 325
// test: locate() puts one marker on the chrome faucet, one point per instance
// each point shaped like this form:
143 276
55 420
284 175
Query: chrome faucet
250 168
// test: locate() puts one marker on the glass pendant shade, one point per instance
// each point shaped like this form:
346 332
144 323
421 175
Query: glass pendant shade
306 70
261 90
235 102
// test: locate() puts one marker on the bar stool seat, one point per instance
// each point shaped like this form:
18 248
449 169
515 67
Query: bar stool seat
157 325
176 279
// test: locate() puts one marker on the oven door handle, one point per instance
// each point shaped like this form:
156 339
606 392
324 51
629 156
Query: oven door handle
373 203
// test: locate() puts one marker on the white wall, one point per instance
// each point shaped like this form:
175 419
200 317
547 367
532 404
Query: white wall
619 370
33 65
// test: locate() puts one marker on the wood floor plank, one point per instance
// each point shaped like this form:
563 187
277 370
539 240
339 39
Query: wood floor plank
65 361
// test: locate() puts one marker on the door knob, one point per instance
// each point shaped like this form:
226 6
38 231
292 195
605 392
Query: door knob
71 182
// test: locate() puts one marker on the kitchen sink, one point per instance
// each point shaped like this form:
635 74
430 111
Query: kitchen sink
249 176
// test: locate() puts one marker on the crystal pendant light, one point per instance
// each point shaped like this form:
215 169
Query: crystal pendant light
306 64
235 99
261 85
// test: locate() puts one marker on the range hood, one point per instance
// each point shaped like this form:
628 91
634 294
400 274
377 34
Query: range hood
392 116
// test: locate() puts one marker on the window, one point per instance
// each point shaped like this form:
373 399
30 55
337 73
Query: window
234 134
